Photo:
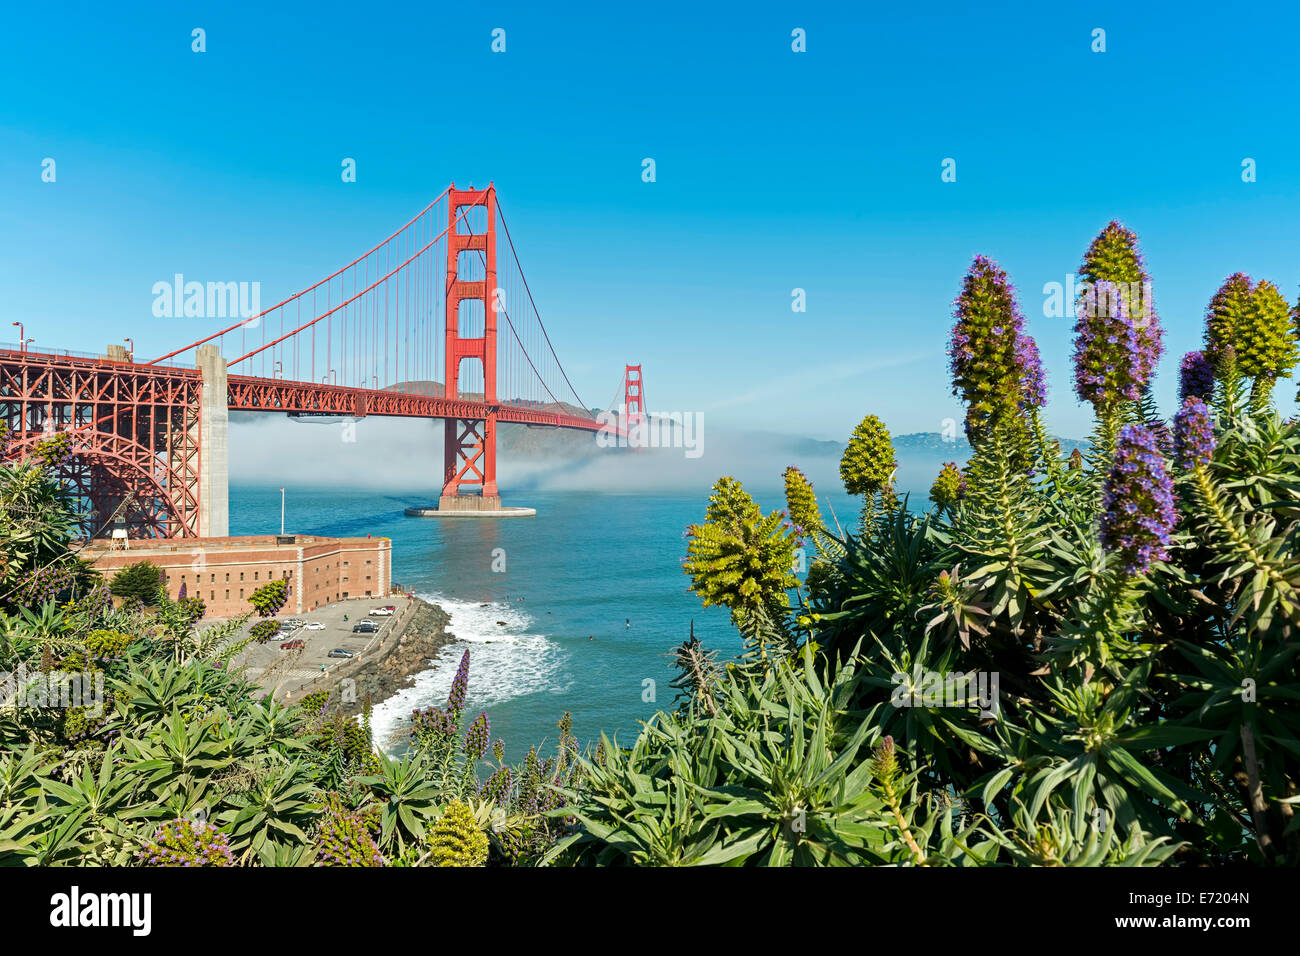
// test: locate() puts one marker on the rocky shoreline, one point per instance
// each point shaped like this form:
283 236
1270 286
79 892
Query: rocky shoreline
421 640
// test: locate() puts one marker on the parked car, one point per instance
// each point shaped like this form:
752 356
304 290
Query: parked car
381 611
365 627
292 645
313 626
340 652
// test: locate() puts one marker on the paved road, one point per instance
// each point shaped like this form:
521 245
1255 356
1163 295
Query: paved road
290 670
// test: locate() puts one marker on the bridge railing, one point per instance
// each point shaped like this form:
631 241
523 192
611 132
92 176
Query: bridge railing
13 348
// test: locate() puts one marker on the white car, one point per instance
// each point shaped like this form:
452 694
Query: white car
381 611
313 626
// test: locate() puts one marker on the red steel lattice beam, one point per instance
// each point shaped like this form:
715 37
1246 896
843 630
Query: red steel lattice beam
135 432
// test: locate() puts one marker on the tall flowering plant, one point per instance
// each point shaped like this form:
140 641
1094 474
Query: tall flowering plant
744 560
994 364
1138 607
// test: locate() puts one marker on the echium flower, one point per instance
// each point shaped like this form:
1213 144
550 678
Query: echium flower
1033 382
1114 256
1113 270
478 737
801 502
1138 502
1225 314
868 462
1265 343
185 842
949 487
432 725
345 840
1193 433
1112 360
738 557
1195 377
455 839
459 688
988 349
496 788
53 452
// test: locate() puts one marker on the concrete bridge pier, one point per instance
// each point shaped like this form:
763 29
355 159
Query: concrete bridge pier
214 446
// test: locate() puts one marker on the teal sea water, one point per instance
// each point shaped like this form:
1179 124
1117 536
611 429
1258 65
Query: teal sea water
574 576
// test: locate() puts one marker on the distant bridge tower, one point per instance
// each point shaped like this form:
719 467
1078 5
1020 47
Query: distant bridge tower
470 445
633 398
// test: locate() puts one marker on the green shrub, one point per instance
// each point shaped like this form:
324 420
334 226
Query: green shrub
142 581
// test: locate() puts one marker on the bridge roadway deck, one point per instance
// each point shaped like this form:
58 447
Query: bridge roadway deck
252 393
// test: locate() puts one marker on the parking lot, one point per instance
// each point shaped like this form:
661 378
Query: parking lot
292 673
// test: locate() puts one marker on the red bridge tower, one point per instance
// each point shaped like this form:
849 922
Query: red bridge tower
633 404
470 445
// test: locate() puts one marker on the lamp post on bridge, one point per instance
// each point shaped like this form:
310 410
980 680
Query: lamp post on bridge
27 343
277 371
130 349
20 335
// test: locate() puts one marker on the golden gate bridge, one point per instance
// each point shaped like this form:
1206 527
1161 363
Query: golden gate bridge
435 299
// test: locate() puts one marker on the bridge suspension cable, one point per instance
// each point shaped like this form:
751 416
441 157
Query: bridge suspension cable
378 322
540 324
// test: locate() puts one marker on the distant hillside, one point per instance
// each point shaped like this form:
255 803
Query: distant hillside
525 440
537 441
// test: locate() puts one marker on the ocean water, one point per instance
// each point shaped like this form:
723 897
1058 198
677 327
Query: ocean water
547 634
550 633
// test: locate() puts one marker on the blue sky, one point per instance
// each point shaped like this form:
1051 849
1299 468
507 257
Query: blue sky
775 170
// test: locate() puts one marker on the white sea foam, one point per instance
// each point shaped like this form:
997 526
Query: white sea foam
504 662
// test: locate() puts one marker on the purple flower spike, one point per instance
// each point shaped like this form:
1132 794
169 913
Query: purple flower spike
1138 502
1033 383
1193 434
459 687
994 364
1195 377
1114 355
478 737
